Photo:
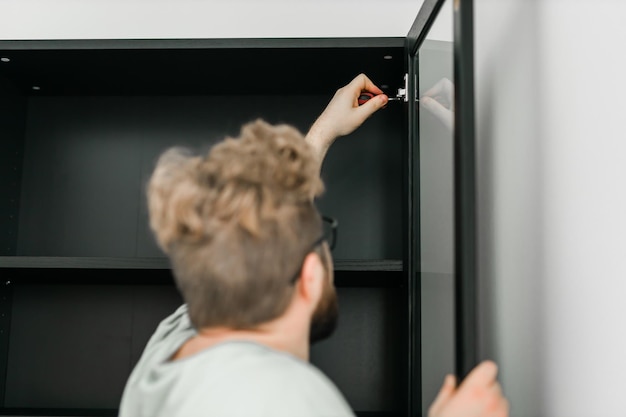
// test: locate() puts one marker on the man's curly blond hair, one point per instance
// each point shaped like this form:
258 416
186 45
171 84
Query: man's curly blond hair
237 222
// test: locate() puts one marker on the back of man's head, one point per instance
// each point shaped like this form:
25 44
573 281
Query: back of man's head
236 223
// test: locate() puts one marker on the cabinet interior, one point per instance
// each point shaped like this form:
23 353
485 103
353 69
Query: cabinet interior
81 125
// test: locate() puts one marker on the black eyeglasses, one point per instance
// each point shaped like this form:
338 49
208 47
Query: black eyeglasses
329 234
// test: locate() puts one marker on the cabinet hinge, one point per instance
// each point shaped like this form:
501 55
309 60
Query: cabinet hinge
401 94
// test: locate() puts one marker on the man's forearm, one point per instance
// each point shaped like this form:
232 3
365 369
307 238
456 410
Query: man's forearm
320 141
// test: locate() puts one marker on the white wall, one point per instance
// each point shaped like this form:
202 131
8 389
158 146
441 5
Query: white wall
94 19
150 19
552 202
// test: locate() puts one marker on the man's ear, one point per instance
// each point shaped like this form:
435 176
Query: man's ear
311 282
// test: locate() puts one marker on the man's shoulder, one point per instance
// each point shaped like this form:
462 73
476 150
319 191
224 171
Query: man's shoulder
271 379
235 378
246 357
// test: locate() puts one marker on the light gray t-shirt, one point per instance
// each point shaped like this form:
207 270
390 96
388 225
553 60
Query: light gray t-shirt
230 379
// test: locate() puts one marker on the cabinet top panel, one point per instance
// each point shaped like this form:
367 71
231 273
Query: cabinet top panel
199 66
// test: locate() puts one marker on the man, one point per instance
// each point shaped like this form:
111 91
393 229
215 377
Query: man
249 257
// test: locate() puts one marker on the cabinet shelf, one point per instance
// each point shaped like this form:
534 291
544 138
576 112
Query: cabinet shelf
155 271
49 262
113 412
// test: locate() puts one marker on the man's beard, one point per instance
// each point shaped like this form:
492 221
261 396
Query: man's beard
326 315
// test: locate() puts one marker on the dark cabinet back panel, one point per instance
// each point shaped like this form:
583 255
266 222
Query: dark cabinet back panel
87 160
365 357
73 346
12 121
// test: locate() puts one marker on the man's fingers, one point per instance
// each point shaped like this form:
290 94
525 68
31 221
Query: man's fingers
445 393
371 106
499 407
505 407
483 374
362 83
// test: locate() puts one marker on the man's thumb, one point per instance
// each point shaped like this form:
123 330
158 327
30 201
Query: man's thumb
484 373
372 106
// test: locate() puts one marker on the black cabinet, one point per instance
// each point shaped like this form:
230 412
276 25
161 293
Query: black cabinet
84 281
83 284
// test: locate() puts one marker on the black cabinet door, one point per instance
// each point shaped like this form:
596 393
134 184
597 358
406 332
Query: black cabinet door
441 247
